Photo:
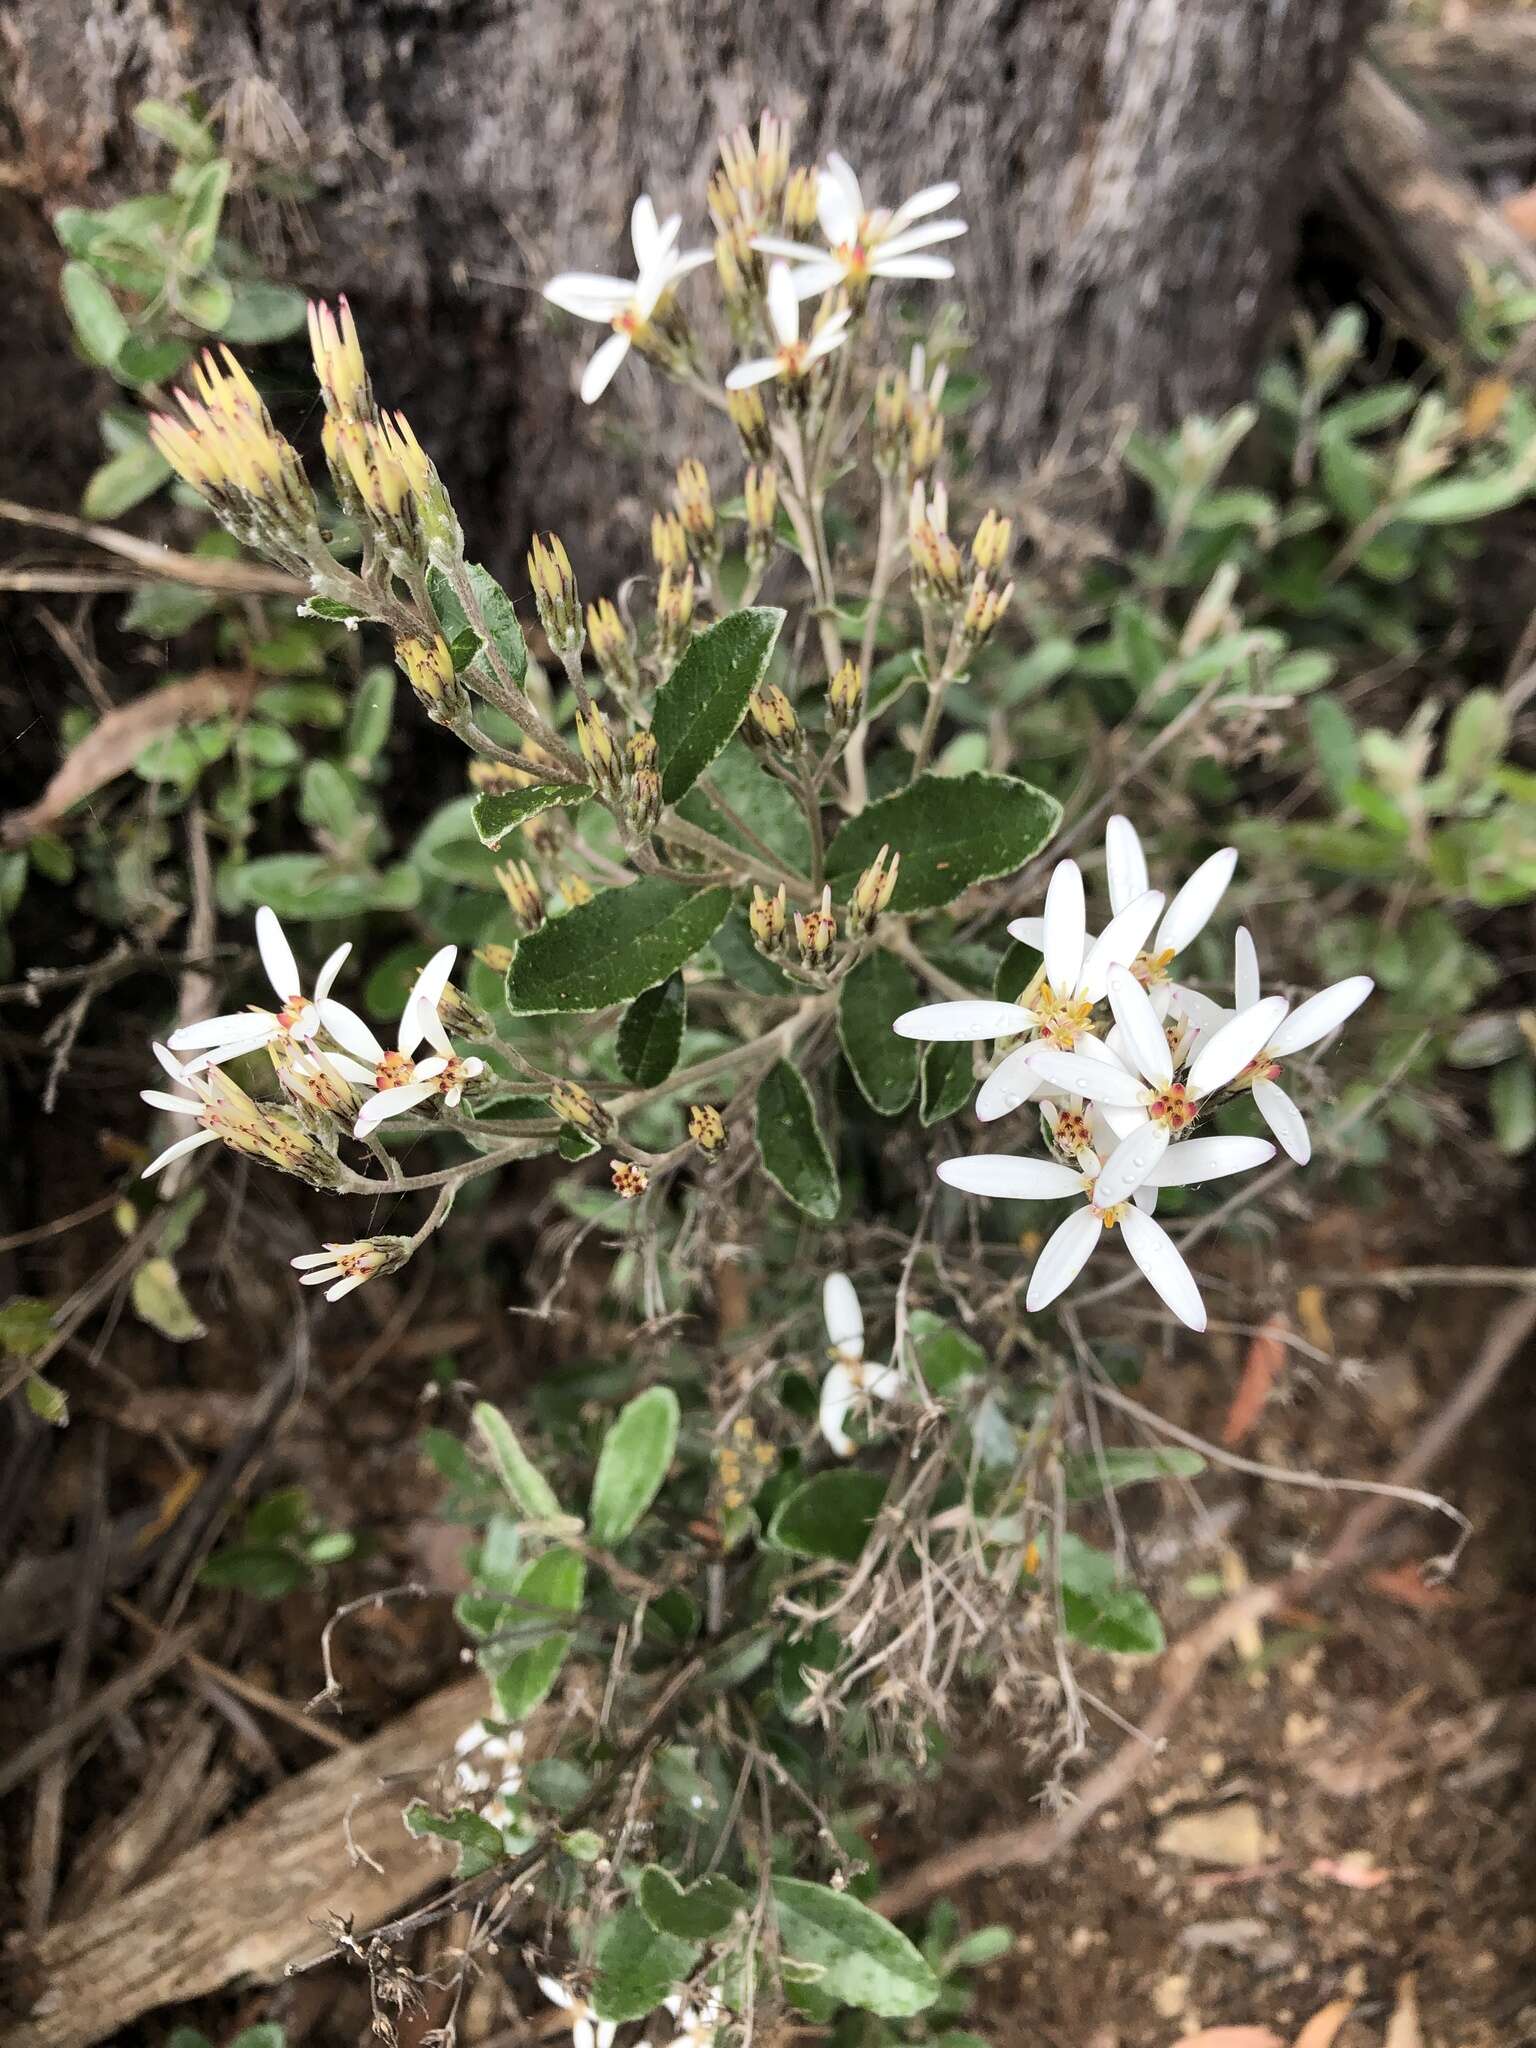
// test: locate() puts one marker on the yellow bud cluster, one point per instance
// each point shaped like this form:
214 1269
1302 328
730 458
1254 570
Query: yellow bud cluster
752 175
338 358
696 508
984 607
845 696
226 447
493 775
520 886
597 749
674 612
612 643
761 493
749 416
554 592
733 253
428 667
773 718
629 1180
873 891
768 917
669 542
994 536
815 930
937 570
800 199
575 890
642 804
573 1105
707 1129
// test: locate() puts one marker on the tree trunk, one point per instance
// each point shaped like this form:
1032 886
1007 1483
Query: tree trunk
1132 170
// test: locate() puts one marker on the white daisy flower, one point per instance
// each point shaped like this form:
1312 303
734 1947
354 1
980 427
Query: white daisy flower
587 2031
865 242
1313 1020
402 1080
488 1763
1137 1086
850 1383
793 357
226 1113
297 1016
339 1268
697 2025
1071 1244
626 304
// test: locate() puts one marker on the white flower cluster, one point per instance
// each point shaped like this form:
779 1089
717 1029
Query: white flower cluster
1121 1094
863 243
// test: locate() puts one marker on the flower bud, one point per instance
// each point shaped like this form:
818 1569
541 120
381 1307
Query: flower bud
612 644
815 931
937 570
983 609
629 1180
574 889
707 1129
597 749
497 959
890 422
554 592
761 492
669 542
845 697
800 200
674 613
339 1268
573 1105
460 1017
696 509
872 892
643 804
226 447
989 550
772 718
338 359
767 918
428 667
750 419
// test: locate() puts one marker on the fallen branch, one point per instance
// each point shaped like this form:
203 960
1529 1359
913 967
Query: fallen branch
206 572
247 1901
1184 1665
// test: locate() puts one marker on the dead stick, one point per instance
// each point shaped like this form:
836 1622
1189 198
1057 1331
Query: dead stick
1038 1841
112 1697
208 572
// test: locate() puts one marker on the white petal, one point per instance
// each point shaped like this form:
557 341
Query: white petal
349 1069
1246 986
432 1030
328 973
1320 1014
1131 1163
1011 1178
305 1260
1029 931
1096 1080
1200 1159
1064 1256
685 264
588 295
1136 1020
881 1382
390 1102
901 241
839 202
955 1023
600 371
257 1026
825 339
320 1279
1192 909
168 1061
757 371
179 1150
1125 862
838 1395
783 306
428 1070
844 1317
912 266
425 995
1119 942
350 1032
1065 927
1145 1199
346 1286
1010 1085
556 1992
1284 1119
173 1105
277 955
1163 1266
929 200
1242 1038
605 2033
645 230
792 252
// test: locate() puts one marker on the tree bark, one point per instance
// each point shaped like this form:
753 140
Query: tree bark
1133 172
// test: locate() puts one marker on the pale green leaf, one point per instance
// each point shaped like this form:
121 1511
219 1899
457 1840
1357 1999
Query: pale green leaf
500 811
790 1143
632 1464
862 1959
704 700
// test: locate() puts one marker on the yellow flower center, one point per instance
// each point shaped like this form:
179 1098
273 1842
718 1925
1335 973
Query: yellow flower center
393 1071
1061 1022
1151 968
1173 1107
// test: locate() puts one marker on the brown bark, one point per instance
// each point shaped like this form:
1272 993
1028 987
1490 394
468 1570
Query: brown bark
1133 171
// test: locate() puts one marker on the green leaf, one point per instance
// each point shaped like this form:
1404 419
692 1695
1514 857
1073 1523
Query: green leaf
127 480
47 1402
501 811
789 1142
162 610
764 804
266 1571
306 885
951 831
26 1325
651 1033
479 1844
612 949
1335 745
264 312
1478 735
200 213
830 1515
526 1486
520 1682
189 137
1100 1612
945 1355
142 361
697 1912
862 1958
99 326
1468 497
1089 1476
632 1464
870 1000
1512 1105
500 618
947 1082
700 705
206 301
158 1300
373 710
636 1966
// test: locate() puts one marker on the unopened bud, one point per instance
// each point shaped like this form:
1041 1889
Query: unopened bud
674 613
696 509
890 422
496 959
643 804
575 890
773 718
937 570
462 1018
872 892
845 696
669 542
707 1129
338 360
340 1268
761 493
983 609
520 886
815 931
800 200
629 1180
750 419
428 667
554 592
573 1105
597 748
612 644
989 550
768 917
